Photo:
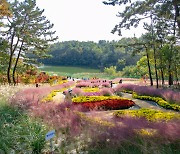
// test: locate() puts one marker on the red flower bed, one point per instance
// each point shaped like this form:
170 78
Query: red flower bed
113 104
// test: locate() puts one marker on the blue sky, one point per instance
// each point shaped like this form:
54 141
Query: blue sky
84 20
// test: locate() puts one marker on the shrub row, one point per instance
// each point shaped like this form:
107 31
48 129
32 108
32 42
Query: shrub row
159 101
110 104
149 114
82 99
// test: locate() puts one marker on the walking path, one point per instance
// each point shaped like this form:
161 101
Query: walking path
59 98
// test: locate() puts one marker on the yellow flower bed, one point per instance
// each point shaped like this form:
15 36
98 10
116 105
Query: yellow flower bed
149 114
81 99
62 81
90 89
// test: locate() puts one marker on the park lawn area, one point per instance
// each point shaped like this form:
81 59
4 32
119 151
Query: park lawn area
76 72
67 70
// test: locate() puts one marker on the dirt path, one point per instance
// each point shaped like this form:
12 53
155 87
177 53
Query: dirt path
59 97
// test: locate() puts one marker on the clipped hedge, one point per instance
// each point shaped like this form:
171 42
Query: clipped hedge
159 101
103 102
111 104
82 99
149 114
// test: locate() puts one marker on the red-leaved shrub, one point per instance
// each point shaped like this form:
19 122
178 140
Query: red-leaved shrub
108 104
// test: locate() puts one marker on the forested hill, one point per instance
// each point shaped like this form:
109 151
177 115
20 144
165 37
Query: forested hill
91 54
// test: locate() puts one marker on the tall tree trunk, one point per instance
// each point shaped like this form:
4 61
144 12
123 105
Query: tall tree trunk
17 59
176 74
12 50
170 61
170 74
161 69
11 56
149 68
155 66
154 49
10 59
9 69
162 76
177 13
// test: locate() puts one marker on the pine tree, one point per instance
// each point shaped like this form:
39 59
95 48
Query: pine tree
28 32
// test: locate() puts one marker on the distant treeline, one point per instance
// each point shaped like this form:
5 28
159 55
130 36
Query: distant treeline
91 54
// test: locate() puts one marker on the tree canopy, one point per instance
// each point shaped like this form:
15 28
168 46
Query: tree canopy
91 54
26 31
138 10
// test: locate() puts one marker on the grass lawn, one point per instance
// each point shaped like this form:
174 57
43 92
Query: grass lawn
68 69
76 72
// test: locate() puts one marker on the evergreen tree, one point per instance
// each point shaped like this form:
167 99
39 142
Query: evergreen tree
28 32
139 10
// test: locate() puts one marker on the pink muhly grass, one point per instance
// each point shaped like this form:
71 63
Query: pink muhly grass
168 95
32 96
95 80
106 84
59 115
150 91
95 85
83 84
64 85
170 130
92 94
171 96
121 87
107 91
77 92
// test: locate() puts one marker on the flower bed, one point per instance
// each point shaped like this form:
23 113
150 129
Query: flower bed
149 114
111 104
90 89
83 99
103 102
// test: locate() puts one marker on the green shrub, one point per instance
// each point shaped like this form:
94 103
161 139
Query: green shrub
82 99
